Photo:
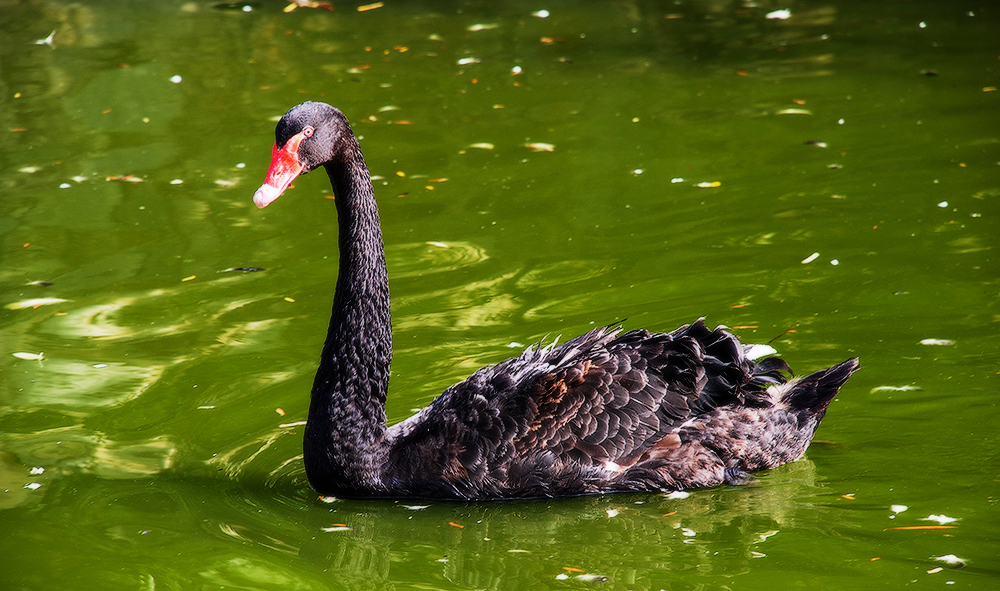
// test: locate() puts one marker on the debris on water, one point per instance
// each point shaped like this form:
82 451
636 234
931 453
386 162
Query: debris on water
898 508
34 303
244 269
794 112
176 79
810 258
125 178
481 27
942 519
29 356
41 283
372 6
678 494
938 342
541 13
458 525
337 527
709 185
47 40
415 507
677 179
481 146
895 389
465 61
816 143
951 560
778 14
177 182
540 147
33 486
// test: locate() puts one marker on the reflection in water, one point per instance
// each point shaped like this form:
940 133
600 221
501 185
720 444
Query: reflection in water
638 541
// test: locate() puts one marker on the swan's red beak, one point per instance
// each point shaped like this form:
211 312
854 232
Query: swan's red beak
285 166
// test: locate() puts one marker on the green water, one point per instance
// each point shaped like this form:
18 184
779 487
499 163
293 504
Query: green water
155 445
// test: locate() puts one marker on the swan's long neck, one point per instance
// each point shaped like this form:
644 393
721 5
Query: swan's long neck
345 433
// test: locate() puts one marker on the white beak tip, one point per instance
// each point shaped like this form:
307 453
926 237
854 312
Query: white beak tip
265 195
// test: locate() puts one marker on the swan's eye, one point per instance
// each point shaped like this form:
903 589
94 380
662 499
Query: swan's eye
308 131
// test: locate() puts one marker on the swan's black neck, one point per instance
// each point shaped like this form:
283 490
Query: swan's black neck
344 443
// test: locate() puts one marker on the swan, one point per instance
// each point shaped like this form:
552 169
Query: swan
608 411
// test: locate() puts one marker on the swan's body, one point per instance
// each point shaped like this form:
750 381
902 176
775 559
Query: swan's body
609 411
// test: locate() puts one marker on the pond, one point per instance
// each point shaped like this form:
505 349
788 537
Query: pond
825 179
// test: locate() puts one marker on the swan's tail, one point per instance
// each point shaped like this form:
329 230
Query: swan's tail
814 392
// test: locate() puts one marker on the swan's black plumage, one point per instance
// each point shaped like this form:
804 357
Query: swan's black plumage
608 411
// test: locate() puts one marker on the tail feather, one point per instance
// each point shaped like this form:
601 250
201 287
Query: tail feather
815 391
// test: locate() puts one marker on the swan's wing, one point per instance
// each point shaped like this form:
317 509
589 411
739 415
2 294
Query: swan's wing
595 404
626 396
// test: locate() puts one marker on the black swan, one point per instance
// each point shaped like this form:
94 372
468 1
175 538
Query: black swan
609 411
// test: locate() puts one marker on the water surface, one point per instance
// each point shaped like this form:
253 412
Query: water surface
829 182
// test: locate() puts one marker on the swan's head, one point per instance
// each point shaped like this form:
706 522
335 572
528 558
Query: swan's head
309 135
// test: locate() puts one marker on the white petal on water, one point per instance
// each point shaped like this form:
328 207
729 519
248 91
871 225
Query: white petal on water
939 342
898 508
950 560
482 145
942 519
894 389
678 494
37 470
810 258
779 14
34 303
29 356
